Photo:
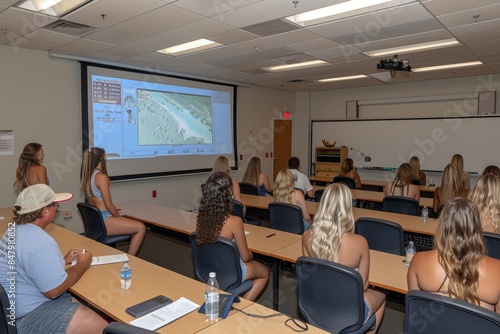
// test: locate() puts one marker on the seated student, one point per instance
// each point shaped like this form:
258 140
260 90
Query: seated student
332 238
491 170
458 161
486 195
40 296
285 192
30 169
451 186
254 175
417 175
458 269
301 180
96 186
214 219
347 170
221 164
401 186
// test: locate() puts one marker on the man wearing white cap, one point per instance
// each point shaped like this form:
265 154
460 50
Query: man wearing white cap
32 270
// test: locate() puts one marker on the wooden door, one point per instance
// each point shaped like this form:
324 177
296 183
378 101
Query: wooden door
282 145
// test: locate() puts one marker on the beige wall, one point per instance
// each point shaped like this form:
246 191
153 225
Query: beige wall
41 103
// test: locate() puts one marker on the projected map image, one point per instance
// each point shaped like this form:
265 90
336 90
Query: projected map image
166 118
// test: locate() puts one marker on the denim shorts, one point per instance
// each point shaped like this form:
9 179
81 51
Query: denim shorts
52 317
243 270
105 214
367 311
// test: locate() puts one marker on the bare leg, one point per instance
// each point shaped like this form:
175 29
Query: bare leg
376 300
259 273
86 321
122 225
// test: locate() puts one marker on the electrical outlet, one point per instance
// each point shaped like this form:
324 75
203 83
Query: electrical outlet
67 214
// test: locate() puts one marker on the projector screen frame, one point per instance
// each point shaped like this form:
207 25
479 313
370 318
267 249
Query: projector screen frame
87 132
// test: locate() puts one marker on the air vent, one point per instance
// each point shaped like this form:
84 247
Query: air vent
69 28
271 28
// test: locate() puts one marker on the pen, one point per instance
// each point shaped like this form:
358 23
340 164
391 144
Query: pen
270 235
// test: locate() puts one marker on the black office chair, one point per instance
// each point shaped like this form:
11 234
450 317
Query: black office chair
5 327
348 181
238 211
330 296
382 235
249 189
223 258
429 313
492 241
318 194
122 328
95 228
400 204
286 217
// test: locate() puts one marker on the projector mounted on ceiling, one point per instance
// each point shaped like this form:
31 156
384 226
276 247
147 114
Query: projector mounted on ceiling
394 65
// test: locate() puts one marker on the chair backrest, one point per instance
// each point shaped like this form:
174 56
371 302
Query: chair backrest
238 210
400 204
122 328
348 181
382 235
286 217
318 194
492 241
433 313
248 188
4 323
221 257
329 294
92 221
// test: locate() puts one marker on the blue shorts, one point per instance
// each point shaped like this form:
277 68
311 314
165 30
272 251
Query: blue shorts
306 225
243 270
52 317
105 214
367 311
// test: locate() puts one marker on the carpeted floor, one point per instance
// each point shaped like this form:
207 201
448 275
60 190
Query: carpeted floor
172 251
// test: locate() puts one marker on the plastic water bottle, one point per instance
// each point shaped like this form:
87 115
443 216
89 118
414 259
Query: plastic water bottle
410 251
425 214
126 276
431 183
212 298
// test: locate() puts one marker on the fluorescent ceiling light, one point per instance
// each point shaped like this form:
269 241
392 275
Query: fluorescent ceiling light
444 67
331 11
198 45
304 64
343 78
52 7
413 47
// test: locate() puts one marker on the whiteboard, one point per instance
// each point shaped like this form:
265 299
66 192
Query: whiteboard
390 142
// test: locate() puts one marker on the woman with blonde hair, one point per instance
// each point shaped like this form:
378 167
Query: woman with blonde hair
417 175
96 186
214 219
458 266
285 192
30 170
332 238
458 161
486 195
221 164
401 186
451 187
254 175
347 170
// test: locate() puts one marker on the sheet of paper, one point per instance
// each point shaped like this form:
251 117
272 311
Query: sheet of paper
106 259
166 314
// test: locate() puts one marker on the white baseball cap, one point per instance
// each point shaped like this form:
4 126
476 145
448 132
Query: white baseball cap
38 196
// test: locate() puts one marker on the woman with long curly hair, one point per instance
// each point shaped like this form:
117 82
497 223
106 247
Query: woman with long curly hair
332 238
285 192
347 169
214 219
458 266
451 187
254 175
486 195
401 186
30 170
96 186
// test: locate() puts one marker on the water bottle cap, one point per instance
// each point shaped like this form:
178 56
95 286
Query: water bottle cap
211 275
